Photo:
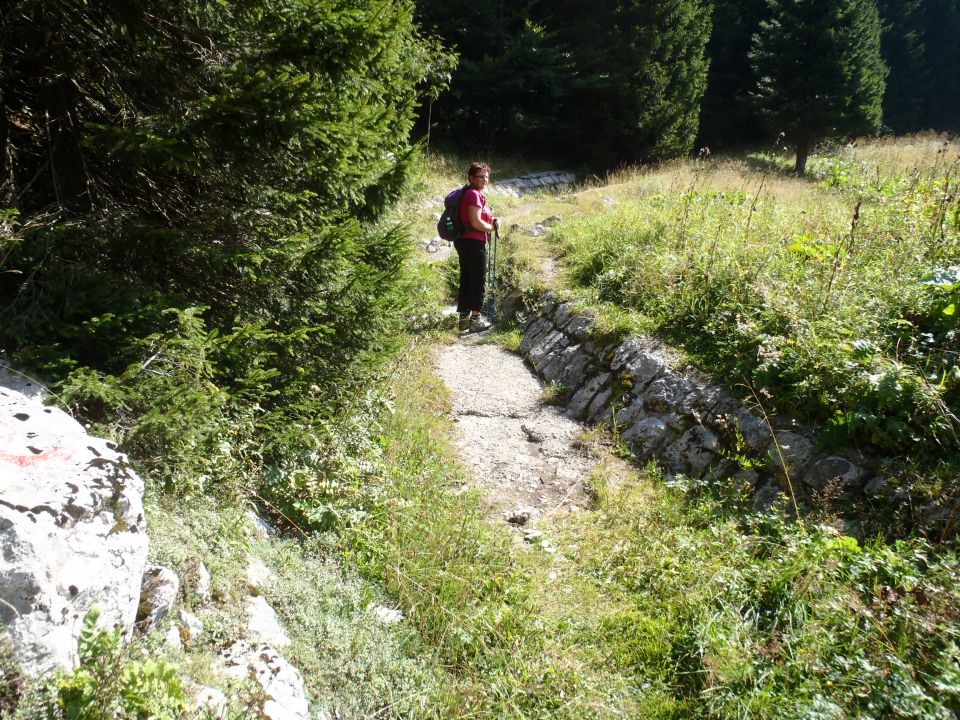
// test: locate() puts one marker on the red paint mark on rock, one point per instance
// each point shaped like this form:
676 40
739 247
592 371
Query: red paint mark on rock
57 454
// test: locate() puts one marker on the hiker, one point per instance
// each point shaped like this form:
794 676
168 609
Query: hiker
478 222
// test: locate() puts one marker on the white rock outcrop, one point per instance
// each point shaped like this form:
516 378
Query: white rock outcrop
158 595
284 695
72 529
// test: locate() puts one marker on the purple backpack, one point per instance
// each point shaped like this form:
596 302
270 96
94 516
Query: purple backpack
449 226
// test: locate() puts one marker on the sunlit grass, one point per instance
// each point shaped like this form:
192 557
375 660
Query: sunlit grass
812 289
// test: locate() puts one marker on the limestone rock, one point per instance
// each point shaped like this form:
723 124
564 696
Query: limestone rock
263 624
834 470
158 595
630 412
716 405
747 478
795 451
753 430
520 516
624 353
878 486
282 683
173 639
387 615
258 574
695 451
767 497
260 525
534 333
646 366
580 327
555 342
201 579
210 700
72 529
190 627
554 180
575 369
562 315
599 403
532 536
666 394
581 399
649 435
559 362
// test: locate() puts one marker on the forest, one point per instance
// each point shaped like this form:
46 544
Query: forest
613 83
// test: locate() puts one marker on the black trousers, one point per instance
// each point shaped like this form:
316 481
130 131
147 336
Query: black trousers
473 273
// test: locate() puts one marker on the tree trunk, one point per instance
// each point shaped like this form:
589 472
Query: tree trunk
7 183
803 150
67 168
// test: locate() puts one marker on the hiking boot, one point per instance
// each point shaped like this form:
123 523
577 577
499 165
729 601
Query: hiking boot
464 323
479 323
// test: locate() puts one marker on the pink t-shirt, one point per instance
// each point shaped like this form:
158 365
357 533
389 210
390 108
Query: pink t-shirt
474 197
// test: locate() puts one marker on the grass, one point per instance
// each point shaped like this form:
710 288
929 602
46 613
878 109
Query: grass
823 291
353 664
661 600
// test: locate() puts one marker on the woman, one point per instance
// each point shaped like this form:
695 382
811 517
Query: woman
478 221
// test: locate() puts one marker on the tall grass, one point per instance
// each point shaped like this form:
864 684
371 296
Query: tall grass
835 295
662 601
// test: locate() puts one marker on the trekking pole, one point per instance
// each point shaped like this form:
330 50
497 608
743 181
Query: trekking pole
491 304
493 285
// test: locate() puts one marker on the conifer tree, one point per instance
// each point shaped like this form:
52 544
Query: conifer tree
172 154
508 81
728 115
902 47
942 45
819 70
637 76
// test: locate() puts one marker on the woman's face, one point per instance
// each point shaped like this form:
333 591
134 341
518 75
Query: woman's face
480 180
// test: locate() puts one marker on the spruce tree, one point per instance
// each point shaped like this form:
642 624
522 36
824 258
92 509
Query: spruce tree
637 75
902 47
234 157
508 82
942 41
729 116
819 70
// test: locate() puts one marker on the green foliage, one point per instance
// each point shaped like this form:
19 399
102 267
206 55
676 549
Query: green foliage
743 615
322 482
353 664
12 682
904 53
603 84
660 601
637 74
505 91
728 116
941 27
820 71
109 684
207 261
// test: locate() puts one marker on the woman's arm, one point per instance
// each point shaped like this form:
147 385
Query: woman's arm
476 222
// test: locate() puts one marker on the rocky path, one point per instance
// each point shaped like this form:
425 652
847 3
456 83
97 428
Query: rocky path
524 455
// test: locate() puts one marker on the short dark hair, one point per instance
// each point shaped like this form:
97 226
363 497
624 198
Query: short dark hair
478 167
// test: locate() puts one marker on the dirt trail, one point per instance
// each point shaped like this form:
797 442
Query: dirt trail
521 453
